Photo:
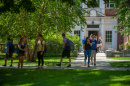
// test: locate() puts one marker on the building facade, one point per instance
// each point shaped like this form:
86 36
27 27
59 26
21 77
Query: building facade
100 22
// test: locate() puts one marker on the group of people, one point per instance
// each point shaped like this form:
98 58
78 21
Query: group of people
22 51
91 45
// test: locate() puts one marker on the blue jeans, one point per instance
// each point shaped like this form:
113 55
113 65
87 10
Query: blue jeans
87 54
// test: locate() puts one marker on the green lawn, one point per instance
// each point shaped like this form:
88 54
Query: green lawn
26 77
51 63
120 64
121 58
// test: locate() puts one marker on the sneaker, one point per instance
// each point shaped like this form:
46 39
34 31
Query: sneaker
11 65
69 65
88 66
94 64
4 65
58 64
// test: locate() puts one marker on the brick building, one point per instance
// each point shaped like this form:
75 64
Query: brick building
101 22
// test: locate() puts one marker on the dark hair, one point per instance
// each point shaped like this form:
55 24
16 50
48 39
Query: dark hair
40 35
8 39
63 34
21 39
87 38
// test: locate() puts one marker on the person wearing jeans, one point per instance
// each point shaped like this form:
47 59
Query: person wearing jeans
87 50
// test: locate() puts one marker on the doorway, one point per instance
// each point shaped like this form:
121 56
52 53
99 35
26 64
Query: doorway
96 33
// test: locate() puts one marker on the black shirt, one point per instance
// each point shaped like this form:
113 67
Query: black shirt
87 46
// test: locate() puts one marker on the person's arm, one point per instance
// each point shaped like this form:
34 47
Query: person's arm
26 49
64 44
90 43
20 48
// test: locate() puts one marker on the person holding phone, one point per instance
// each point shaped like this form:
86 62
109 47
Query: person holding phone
87 50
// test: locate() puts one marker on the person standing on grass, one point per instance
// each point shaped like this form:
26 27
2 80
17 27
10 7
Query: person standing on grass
40 50
87 50
9 52
66 51
22 52
94 47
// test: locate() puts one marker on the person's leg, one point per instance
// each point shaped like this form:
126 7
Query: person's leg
101 48
68 56
95 58
22 58
5 61
11 59
85 58
38 55
42 60
89 54
6 56
63 55
19 62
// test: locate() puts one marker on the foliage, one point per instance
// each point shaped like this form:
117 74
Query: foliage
123 15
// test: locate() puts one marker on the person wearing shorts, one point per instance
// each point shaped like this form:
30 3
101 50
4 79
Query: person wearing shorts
94 47
8 54
22 51
66 52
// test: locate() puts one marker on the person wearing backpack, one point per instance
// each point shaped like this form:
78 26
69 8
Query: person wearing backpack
87 50
40 51
94 47
66 51
22 51
9 52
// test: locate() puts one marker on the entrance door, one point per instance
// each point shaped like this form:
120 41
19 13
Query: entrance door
96 33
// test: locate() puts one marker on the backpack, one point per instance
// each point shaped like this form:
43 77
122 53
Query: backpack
11 48
45 50
98 41
70 45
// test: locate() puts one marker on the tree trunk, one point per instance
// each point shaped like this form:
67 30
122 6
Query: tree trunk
28 41
38 32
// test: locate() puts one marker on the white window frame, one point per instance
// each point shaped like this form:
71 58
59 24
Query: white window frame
108 36
77 32
110 4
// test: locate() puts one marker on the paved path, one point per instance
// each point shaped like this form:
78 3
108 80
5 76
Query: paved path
102 63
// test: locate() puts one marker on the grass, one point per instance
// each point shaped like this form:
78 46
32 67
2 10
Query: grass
120 64
26 77
46 59
121 58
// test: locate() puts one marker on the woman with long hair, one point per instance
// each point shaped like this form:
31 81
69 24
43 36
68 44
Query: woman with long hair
22 51
87 50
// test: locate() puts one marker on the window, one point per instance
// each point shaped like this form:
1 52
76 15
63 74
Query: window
110 4
77 32
108 36
92 26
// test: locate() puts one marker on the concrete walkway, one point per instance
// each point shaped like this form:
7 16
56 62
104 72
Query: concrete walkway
102 63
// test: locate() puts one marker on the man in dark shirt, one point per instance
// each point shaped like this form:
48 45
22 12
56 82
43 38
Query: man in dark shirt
66 51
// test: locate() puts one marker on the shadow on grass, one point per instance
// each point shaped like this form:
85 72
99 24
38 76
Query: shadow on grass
32 77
